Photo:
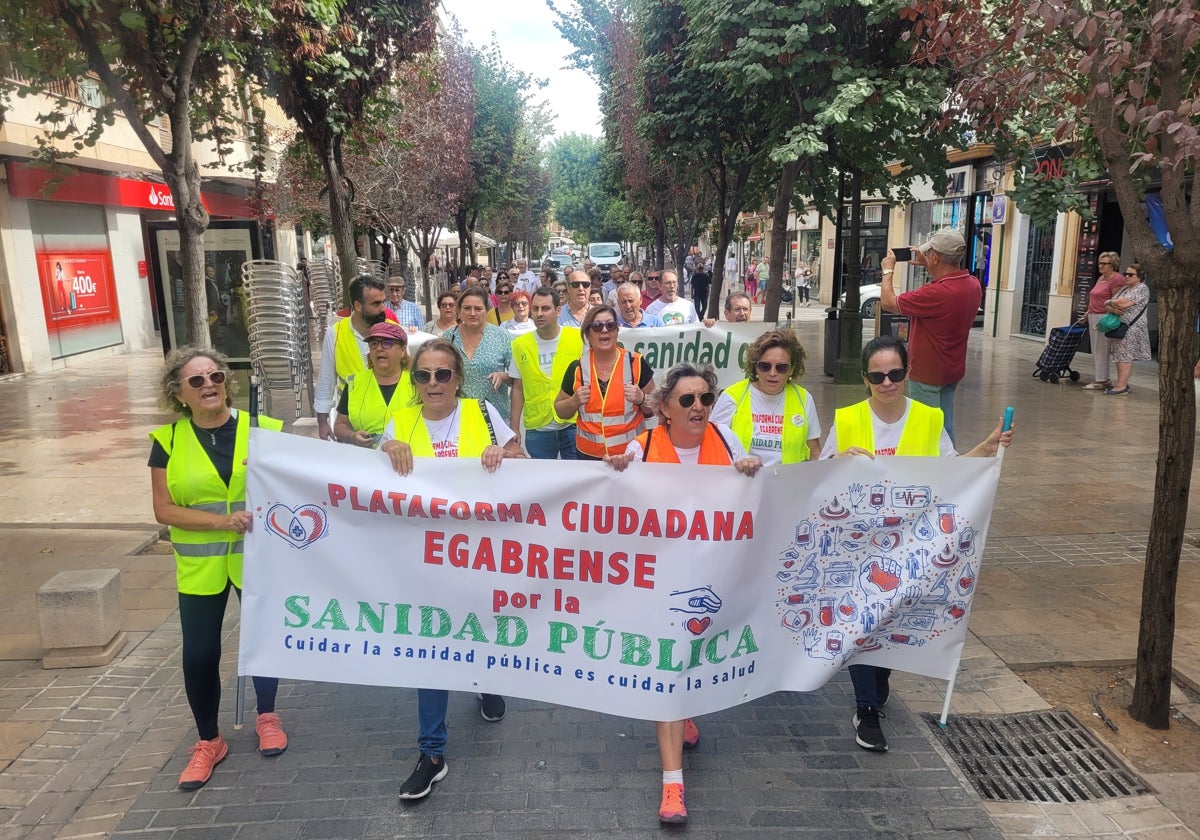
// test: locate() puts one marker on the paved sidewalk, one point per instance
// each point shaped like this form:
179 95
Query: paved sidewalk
92 752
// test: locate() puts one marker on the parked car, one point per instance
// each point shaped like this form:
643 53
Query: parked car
868 302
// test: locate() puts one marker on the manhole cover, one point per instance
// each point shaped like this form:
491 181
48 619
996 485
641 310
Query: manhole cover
1035 757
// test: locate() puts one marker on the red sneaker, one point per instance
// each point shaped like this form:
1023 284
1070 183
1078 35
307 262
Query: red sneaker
691 734
205 756
672 809
271 740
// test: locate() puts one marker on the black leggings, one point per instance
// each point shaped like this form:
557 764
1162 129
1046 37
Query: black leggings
201 616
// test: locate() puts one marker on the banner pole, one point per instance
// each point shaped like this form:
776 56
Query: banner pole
946 705
239 714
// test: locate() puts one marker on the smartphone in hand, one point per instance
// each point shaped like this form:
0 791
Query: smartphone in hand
903 254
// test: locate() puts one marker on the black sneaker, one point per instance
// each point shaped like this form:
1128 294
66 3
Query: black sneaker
418 785
491 707
867 732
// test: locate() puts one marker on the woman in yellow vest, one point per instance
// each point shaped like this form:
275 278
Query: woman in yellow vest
444 425
685 435
374 395
198 477
607 388
770 413
889 423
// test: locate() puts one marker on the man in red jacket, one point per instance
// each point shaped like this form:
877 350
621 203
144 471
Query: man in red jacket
941 314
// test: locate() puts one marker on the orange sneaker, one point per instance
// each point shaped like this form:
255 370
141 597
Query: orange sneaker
271 740
672 809
205 756
691 734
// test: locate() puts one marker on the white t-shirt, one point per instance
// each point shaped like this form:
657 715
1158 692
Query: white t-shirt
546 349
887 437
678 311
518 327
766 412
443 434
692 454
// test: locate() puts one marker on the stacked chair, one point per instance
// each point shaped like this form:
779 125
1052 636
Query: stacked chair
277 323
325 290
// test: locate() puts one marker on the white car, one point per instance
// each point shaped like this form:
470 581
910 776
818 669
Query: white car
868 302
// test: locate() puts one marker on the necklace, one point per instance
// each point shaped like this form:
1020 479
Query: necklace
212 433
471 349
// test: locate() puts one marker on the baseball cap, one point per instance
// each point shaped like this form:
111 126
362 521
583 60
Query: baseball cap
386 329
946 241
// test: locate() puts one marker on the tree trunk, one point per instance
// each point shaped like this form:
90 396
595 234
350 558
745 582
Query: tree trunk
1178 302
850 318
341 222
660 241
191 219
779 244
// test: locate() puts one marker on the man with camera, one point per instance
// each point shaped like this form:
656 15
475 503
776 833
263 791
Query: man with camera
941 314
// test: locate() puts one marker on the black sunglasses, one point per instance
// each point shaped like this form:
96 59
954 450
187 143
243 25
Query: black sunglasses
706 399
765 367
217 377
421 376
877 377
579 285
603 326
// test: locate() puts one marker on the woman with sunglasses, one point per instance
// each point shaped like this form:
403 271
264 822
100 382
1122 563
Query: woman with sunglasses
198 479
607 387
447 304
1106 286
486 351
444 424
520 323
502 311
770 413
373 396
889 423
685 435
1129 303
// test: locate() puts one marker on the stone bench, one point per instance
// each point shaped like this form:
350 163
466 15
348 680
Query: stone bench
79 613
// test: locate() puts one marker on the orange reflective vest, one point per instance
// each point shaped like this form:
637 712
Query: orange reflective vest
658 449
607 423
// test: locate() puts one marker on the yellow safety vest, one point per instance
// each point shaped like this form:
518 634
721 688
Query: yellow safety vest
475 432
921 435
364 402
540 389
795 435
206 560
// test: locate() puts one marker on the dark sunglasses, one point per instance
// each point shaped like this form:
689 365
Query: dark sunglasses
421 376
385 343
578 285
217 377
765 367
706 399
1131 274
603 326
504 291
877 377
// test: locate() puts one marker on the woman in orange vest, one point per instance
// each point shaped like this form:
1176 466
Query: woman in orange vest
889 423
607 387
443 424
685 435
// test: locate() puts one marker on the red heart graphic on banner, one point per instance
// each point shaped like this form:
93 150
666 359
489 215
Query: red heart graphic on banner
696 626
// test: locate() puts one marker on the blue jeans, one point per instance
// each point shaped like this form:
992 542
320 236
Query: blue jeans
431 721
936 396
868 680
548 444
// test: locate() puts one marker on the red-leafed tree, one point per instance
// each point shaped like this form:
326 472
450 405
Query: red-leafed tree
1119 84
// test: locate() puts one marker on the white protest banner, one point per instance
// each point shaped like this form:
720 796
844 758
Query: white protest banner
723 346
662 592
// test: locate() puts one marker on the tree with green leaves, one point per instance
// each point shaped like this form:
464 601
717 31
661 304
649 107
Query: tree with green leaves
1119 83
578 188
326 62
502 95
163 60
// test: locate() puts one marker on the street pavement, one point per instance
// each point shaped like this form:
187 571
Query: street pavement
97 751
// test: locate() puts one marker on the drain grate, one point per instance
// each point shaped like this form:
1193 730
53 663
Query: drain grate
1035 757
